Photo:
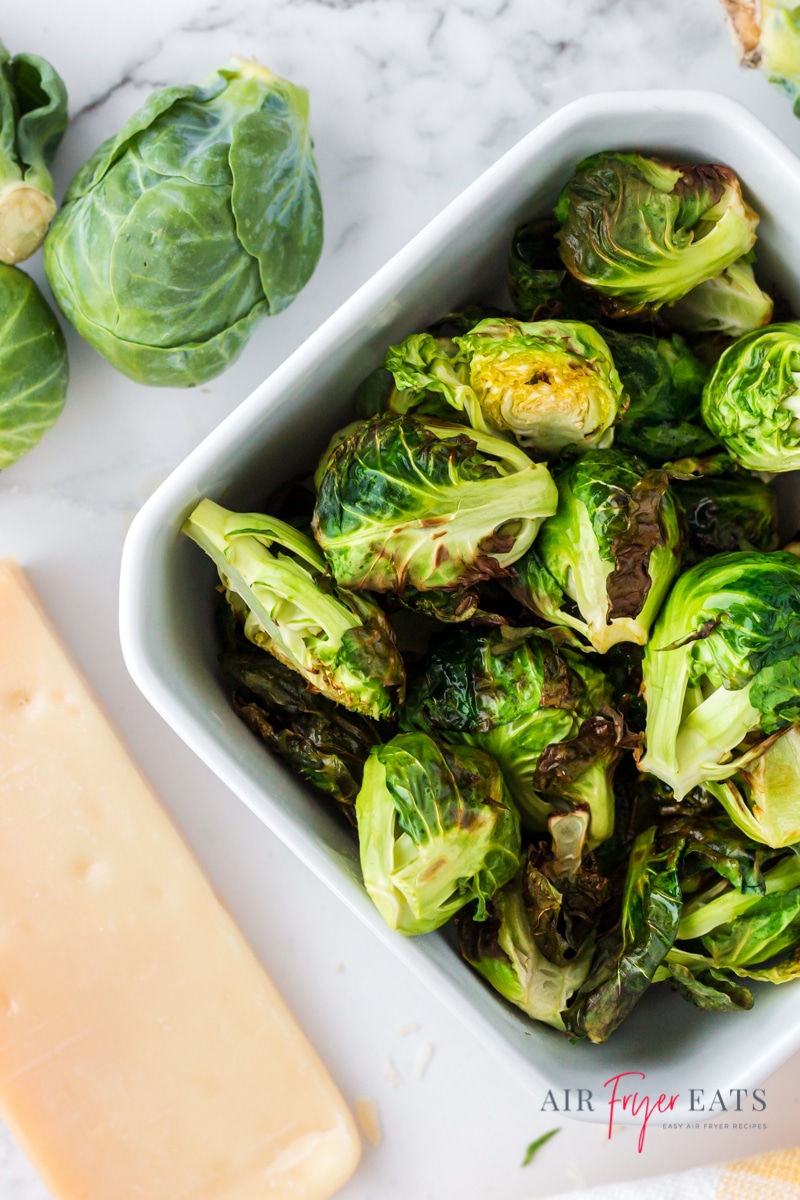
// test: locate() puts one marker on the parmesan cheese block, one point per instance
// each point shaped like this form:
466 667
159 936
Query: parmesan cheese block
144 1053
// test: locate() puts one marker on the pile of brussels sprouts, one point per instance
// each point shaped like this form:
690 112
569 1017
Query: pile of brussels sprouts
529 627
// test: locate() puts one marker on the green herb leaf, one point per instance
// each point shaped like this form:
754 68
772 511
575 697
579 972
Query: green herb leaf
536 1146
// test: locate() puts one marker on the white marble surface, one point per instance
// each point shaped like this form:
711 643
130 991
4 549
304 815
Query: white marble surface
411 100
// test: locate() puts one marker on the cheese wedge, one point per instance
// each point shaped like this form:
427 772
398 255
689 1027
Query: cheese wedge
144 1053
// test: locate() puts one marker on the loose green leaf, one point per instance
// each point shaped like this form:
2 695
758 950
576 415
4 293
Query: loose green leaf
536 1145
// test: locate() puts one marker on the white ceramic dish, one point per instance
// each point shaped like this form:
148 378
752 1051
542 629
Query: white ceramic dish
167 597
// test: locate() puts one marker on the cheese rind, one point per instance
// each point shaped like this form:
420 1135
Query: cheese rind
144 1053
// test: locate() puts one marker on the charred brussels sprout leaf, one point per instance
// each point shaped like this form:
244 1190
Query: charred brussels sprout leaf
752 400
34 370
723 663
730 303
200 217
542 712
406 503
33 117
536 946
604 563
627 958
340 643
664 381
643 232
436 828
319 740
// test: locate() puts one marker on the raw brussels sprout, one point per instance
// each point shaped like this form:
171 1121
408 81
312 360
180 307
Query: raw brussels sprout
541 711
604 563
552 384
752 400
627 958
731 303
200 217
341 643
34 369
33 117
643 232
763 798
535 948
722 664
410 503
436 829
664 381
768 36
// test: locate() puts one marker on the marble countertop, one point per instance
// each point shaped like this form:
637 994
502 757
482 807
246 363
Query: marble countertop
410 100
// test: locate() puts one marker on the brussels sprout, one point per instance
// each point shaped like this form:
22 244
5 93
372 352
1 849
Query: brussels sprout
768 36
406 503
728 931
752 400
431 376
763 798
723 663
320 741
340 643
628 956
201 216
665 381
604 563
644 232
536 275
536 946
542 712
734 511
34 369
731 303
552 384
436 829
33 117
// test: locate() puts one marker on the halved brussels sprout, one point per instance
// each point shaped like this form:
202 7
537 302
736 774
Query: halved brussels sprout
436 829
643 231
605 562
406 503
340 642
752 400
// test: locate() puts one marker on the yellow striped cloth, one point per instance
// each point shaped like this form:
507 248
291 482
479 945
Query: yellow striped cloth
774 1176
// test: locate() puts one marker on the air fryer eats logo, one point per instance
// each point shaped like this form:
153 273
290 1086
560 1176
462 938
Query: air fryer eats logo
626 1095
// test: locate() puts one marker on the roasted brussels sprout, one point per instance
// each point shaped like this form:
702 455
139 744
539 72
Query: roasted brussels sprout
726 512
752 400
604 563
730 303
552 384
34 369
341 643
436 829
722 666
541 711
729 931
322 742
538 282
200 217
664 381
33 117
431 377
535 947
422 504
643 232
627 958
763 798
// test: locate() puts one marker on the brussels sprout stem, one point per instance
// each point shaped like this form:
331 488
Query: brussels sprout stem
25 214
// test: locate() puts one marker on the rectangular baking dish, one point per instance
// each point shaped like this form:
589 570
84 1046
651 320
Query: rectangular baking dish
167 585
